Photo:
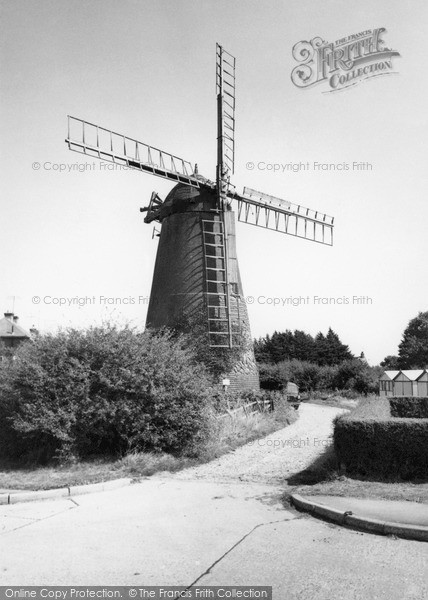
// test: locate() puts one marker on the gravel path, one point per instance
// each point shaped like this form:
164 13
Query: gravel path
277 456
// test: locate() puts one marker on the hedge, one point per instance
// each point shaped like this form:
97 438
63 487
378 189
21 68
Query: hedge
376 445
409 407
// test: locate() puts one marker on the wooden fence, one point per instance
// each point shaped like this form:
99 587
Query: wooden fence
256 406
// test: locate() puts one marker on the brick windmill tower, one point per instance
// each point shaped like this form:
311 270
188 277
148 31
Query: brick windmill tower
196 282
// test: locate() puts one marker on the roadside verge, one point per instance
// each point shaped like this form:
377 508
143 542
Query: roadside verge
360 521
66 492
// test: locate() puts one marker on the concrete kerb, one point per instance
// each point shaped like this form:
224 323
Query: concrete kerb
412 532
67 492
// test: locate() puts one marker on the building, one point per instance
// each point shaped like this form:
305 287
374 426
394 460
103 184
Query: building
413 382
386 383
196 268
422 384
11 333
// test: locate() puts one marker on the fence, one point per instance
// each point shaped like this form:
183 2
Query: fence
256 406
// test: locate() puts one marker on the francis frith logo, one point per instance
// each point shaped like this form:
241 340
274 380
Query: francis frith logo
343 63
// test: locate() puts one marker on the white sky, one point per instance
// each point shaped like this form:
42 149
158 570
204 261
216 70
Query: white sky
147 69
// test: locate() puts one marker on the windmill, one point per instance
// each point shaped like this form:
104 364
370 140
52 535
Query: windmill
196 272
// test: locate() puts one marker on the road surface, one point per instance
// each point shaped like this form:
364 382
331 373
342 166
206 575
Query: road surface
274 458
190 528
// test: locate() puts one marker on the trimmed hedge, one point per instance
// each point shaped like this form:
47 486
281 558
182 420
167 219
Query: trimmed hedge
368 442
409 407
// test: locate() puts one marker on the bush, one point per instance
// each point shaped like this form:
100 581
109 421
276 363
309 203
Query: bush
308 376
271 377
218 361
102 391
358 376
409 407
370 442
351 375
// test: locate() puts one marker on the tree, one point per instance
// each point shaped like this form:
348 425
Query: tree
298 345
261 351
391 363
330 350
276 348
413 349
356 375
321 349
304 346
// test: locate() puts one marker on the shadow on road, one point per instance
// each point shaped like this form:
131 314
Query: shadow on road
320 470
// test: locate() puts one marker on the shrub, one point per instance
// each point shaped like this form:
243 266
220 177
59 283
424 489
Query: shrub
357 375
308 376
370 442
102 391
218 361
409 407
352 375
271 377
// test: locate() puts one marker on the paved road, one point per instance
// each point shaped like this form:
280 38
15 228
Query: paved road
274 458
175 530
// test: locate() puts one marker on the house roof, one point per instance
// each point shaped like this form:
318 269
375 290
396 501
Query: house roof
391 374
11 329
412 374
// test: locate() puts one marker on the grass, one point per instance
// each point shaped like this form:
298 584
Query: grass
228 434
379 490
135 465
331 399
322 478
239 430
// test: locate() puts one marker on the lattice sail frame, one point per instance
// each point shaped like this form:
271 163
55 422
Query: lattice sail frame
105 144
225 89
270 212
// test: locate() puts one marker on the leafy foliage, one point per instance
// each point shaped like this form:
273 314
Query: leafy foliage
391 362
413 349
323 350
103 390
352 374
218 361
371 443
357 375
412 407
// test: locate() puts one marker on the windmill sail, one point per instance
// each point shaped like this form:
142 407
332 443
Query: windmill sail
257 208
225 86
98 142
219 279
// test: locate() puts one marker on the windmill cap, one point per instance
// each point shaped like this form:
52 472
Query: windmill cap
186 198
